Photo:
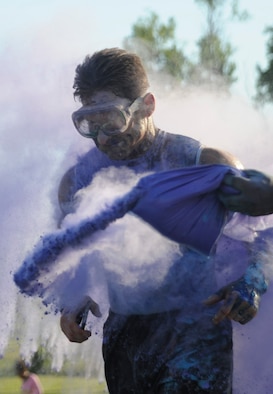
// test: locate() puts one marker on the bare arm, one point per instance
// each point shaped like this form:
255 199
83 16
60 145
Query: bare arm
215 156
239 300
71 318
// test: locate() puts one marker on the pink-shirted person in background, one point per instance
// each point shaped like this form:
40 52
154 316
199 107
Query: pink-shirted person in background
31 382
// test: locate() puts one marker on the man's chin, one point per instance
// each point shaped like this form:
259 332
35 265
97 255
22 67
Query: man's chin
116 155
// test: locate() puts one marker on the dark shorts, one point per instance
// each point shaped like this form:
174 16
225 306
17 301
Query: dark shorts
159 353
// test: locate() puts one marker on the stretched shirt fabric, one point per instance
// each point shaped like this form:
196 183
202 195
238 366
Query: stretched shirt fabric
181 204
52 245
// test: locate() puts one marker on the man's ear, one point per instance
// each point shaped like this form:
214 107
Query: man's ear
149 105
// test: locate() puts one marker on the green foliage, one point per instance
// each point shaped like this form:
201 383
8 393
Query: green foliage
215 65
155 42
235 12
264 83
214 60
212 4
41 361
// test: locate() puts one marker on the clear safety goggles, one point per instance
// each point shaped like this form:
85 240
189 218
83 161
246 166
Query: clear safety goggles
110 119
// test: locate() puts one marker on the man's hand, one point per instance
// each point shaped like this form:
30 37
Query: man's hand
71 319
255 195
240 302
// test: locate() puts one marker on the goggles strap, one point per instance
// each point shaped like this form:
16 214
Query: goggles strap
136 104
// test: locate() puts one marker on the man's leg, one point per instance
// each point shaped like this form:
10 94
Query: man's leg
201 362
159 354
187 388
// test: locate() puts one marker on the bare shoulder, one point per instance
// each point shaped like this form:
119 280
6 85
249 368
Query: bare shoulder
216 156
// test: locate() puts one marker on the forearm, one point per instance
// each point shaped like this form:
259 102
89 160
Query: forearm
215 156
241 298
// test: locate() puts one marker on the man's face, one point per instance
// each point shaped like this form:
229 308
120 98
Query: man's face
117 145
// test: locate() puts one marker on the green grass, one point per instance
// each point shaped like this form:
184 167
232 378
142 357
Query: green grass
55 384
52 383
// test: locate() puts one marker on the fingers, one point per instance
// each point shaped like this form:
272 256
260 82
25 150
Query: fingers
237 182
216 297
73 321
243 312
229 179
238 204
257 176
81 317
213 299
226 308
240 183
71 329
94 308
91 304
233 308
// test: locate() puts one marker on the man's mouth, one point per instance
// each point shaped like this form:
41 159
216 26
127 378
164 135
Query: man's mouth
117 147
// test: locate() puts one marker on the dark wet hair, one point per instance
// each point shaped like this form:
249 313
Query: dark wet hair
112 69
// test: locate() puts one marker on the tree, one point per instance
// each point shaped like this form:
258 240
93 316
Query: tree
214 64
39 359
214 61
264 83
156 44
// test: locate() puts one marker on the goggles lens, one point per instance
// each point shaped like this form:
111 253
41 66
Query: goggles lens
90 122
111 120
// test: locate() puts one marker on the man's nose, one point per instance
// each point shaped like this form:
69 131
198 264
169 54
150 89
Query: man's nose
102 138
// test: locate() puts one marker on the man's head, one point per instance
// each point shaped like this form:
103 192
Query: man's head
112 86
115 70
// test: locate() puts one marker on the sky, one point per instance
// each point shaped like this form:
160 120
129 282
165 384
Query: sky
83 26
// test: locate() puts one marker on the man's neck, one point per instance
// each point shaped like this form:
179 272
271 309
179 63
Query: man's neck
145 143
